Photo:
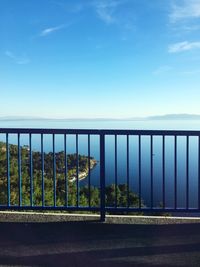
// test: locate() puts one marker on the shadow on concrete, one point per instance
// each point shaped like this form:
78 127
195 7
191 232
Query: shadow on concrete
97 244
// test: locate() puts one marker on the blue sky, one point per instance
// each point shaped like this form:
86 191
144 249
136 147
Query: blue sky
99 58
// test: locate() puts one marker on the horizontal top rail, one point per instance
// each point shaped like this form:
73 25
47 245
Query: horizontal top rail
99 131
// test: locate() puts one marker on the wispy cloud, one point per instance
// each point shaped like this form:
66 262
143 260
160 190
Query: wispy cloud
191 72
189 9
21 60
183 46
190 28
106 9
70 6
48 31
162 70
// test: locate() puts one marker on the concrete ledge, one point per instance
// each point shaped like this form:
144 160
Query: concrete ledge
158 220
44 217
47 217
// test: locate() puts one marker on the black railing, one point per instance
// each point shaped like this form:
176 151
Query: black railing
166 177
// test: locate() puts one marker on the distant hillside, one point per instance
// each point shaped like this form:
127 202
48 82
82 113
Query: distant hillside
18 118
175 117
156 117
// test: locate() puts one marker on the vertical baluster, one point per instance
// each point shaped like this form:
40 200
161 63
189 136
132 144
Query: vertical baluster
151 166
116 174
89 173
66 180
31 169
77 173
187 172
19 171
102 176
163 169
127 171
175 171
8 169
42 169
199 172
139 154
54 171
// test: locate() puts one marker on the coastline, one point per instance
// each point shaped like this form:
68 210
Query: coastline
83 174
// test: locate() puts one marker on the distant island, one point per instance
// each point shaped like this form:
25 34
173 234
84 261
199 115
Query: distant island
175 117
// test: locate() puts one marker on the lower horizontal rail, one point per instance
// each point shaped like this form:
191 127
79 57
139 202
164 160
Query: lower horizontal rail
98 209
156 210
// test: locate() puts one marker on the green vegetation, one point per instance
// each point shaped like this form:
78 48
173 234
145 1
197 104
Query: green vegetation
60 180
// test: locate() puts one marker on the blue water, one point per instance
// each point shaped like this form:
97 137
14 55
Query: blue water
133 155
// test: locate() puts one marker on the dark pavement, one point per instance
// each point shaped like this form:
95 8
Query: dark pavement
99 244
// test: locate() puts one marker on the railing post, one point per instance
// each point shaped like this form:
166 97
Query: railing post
102 177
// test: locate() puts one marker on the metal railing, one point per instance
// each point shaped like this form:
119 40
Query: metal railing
172 193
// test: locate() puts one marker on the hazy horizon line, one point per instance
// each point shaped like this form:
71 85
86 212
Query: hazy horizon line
152 117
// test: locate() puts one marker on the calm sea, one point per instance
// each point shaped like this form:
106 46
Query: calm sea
133 154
